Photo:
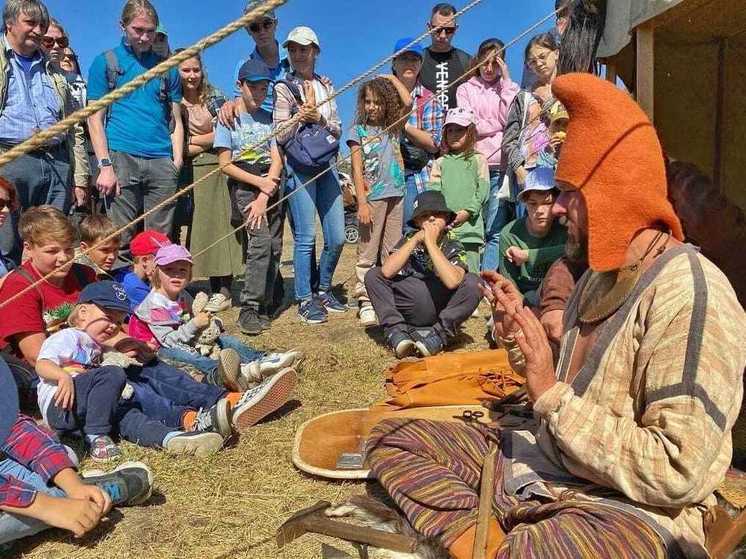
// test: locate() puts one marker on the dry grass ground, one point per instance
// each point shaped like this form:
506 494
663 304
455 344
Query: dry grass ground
230 505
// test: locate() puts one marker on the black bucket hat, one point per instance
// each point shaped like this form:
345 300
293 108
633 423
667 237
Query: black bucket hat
429 202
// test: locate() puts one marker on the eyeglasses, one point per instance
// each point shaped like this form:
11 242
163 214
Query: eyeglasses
438 30
534 61
49 42
265 25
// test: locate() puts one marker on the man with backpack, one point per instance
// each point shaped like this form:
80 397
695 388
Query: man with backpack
138 157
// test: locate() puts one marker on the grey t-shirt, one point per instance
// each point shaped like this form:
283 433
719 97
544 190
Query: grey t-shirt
383 167
249 130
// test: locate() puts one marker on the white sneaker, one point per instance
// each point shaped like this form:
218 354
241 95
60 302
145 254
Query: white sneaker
257 403
217 303
368 316
251 374
274 362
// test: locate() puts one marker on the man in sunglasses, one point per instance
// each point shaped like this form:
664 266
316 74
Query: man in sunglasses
34 95
267 52
442 63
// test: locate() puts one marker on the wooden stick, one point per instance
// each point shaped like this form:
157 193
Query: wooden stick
486 489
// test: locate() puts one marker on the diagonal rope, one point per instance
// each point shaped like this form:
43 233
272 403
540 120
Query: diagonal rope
289 123
335 166
41 138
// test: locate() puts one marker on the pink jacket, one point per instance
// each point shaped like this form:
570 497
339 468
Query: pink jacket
490 103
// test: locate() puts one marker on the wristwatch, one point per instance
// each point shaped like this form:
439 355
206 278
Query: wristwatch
104 163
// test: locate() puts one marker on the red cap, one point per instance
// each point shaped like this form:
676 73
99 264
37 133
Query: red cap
148 242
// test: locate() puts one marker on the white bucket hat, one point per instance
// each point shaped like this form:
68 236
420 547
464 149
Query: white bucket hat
303 36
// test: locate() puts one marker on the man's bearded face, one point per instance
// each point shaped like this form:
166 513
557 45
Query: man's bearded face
571 206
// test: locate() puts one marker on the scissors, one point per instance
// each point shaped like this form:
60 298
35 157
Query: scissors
469 416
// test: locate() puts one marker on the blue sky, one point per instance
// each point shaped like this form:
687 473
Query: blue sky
353 35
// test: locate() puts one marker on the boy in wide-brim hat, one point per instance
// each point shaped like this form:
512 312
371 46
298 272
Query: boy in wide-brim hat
424 284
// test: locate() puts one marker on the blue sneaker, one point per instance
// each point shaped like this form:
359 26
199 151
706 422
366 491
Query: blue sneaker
429 344
311 312
330 302
401 343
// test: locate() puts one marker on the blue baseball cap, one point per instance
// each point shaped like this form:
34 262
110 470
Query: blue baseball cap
8 401
253 71
106 294
539 179
402 43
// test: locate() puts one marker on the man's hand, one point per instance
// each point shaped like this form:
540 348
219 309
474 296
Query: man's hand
532 340
364 213
79 516
431 232
256 212
202 320
65 396
504 298
516 255
552 323
462 216
228 113
107 182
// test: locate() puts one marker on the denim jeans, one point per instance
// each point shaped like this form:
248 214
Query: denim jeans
97 392
40 177
162 395
207 365
144 183
410 195
322 196
498 214
14 527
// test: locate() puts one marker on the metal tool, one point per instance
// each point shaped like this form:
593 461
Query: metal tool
486 490
312 520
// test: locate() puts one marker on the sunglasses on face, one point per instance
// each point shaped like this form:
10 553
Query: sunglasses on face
4 203
438 30
49 42
264 25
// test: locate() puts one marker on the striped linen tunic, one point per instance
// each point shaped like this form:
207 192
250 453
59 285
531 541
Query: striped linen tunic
649 414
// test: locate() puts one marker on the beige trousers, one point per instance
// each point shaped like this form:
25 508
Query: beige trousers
377 240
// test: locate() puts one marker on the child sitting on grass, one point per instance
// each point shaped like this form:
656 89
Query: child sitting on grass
39 485
136 280
378 174
76 393
93 229
463 176
167 313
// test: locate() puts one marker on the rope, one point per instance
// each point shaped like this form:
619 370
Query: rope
259 10
41 138
335 166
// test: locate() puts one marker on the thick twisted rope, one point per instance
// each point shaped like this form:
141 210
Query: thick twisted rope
335 166
41 138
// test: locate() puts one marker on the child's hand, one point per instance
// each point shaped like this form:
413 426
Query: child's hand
257 213
202 320
76 515
268 185
431 232
364 213
504 71
65 396
516 255
521 174
91 493
462 216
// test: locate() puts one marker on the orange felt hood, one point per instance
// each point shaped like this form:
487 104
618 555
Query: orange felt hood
613 157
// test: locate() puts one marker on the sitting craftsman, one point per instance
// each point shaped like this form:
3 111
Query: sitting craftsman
631 434
424 283
530 245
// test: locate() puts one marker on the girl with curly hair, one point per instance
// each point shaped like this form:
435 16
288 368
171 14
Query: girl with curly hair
383 105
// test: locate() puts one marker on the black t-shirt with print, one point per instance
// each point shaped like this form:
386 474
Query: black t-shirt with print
420 265
440 69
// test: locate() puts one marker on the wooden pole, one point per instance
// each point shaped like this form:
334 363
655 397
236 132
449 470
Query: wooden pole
645 69
611 73
717 163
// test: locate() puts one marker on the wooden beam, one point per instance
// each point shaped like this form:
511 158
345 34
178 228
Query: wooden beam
645 69
611 72
717 172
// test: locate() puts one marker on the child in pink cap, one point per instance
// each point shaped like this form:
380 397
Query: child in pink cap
463 176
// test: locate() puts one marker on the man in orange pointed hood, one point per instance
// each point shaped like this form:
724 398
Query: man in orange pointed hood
630 434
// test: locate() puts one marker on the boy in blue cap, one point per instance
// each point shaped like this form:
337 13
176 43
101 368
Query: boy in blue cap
39 487
530 245
253 180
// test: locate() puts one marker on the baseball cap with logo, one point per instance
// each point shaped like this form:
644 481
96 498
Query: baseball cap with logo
460 116
172 253
106 294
